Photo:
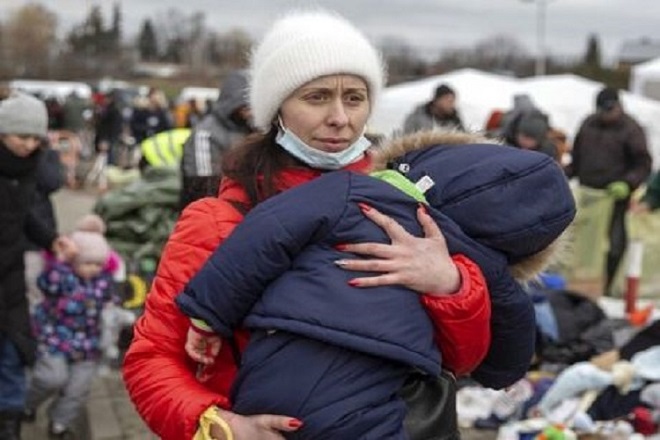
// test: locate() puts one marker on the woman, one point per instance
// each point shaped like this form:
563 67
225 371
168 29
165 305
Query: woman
321 131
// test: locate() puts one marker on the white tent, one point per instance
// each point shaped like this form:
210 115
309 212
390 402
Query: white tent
645 79
567 99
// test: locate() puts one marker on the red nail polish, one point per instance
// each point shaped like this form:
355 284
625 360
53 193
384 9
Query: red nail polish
295 423
341 247
353 283
364 207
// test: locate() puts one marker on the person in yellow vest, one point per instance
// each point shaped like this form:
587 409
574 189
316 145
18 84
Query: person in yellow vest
164 149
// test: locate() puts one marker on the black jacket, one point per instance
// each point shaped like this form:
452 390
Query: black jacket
605 153
50 177
17 189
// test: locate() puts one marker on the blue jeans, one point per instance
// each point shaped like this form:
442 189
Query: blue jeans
12 377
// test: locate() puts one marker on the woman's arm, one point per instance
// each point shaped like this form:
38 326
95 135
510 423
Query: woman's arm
462 320
159 377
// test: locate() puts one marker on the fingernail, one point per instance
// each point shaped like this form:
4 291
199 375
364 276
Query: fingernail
295 423
341 247
340 263
423 208
364 207
353 283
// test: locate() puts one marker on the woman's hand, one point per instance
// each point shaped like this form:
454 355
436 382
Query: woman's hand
421 264
259 427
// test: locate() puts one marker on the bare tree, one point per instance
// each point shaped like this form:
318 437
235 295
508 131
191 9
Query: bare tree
499 53
403 62
29 41
230 49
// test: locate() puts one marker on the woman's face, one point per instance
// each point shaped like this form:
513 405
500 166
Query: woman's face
328 113
87 270
21 145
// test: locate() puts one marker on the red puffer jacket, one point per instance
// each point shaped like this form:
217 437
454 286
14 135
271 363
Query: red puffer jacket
161 379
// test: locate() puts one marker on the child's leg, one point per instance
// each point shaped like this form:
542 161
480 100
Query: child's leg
48 377
69 404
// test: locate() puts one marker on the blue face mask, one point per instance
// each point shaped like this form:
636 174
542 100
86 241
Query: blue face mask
320 159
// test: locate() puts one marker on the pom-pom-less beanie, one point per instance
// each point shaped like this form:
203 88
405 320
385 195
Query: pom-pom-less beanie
301 47
24 114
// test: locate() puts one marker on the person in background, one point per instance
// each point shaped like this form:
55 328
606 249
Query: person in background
228 123
531 132
75 111
109 125
23 127
610 152
67 324
522 103
151 115
194 114
330 76
439 113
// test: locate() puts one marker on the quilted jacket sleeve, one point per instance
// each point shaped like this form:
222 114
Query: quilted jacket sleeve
159 377
260 249
462 320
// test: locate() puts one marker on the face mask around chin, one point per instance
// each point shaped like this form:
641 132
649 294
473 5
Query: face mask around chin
317 158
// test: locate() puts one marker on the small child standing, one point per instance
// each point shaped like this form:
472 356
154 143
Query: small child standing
68 328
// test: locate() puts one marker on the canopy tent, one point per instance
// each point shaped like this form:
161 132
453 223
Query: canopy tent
645 79
567 99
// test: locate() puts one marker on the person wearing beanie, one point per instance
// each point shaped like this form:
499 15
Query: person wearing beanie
438 113
610 153
23 126
531 131
314 80
68 328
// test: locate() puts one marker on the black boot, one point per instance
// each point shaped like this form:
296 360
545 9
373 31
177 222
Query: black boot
10 425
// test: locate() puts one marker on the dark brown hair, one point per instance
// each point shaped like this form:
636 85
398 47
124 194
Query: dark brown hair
255 165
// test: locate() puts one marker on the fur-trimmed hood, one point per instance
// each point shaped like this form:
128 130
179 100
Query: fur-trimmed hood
515 201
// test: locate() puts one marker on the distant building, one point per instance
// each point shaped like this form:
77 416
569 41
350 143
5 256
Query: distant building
638 51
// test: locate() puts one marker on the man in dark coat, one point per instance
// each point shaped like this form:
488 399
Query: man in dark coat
23 126
610 153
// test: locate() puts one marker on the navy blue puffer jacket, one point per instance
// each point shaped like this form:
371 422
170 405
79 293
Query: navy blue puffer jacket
278 265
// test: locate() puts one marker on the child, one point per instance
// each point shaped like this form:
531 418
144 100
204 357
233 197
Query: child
278 265
68 329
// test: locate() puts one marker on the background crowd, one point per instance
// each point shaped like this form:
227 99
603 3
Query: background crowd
73 288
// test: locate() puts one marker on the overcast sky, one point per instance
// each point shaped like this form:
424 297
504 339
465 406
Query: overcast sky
429 25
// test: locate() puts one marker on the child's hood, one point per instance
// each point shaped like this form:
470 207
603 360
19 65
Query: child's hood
515 201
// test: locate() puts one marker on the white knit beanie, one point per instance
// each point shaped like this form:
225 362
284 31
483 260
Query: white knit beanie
21 113
303 46
92 247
